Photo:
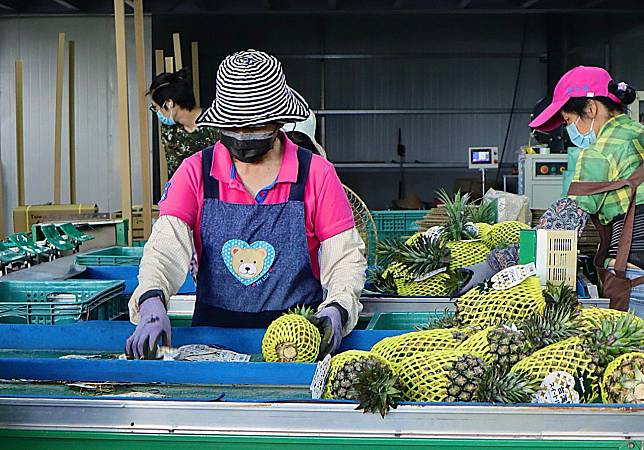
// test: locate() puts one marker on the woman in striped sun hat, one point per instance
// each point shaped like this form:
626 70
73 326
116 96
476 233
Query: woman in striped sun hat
271 224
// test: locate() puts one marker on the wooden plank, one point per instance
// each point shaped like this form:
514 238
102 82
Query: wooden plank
144 136
58 117
194 46
159 61
20 136
169 65
178 61
72 121
163 163
123 119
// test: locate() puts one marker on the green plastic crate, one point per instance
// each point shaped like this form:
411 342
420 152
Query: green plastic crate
393 224
58 302
111 256
402 320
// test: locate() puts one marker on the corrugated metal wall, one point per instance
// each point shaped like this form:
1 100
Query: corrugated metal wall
34 40
392 62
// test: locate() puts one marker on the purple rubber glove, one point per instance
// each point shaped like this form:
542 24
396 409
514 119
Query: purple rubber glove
154 324
330 325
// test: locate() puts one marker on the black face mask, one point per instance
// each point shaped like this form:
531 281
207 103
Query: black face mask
248 147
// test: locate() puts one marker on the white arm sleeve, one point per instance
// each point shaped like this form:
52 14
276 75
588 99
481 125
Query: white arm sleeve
165 263
342 273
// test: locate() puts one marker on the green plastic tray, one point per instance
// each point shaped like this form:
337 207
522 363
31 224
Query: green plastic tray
402 320
59 302
111 256
393 224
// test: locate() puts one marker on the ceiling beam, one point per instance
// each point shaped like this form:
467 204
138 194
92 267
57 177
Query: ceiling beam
332 4
464 4
593 3
529 3
67 4
398 4
11 5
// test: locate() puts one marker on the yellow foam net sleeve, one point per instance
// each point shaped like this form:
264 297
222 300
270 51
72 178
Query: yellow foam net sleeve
467 253
484 230
478 345
607 380
504 234
338 361
396 348
484 307
294 330
423 376
567 355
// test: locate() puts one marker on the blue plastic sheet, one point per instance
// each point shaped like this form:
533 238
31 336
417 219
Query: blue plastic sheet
107 336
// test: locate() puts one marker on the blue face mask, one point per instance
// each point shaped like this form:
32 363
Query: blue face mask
581 140
165 120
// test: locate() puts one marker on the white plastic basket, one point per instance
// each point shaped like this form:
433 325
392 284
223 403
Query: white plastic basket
556 257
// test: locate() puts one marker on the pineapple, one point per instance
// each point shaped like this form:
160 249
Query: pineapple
588 355
455 376
292 338
483 307
396 348
459 231
501 347
505 234
365 377
623 381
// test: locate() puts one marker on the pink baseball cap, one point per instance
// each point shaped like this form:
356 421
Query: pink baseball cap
581 81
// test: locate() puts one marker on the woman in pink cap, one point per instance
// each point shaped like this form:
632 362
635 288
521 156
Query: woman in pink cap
593 108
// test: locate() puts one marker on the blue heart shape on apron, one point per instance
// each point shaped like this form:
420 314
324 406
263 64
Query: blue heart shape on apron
248 263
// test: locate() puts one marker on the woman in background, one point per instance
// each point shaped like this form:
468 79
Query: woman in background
174 103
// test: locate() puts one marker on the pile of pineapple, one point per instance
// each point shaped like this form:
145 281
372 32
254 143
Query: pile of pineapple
429 264
499 352
497 347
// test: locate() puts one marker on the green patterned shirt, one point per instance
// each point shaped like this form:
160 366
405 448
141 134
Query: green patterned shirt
179 144
618 152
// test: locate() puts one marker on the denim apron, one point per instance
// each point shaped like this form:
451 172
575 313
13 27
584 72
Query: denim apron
255 261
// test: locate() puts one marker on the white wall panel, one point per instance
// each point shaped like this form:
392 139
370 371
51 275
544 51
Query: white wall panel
34 40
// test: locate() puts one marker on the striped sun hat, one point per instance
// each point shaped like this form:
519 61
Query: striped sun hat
251 90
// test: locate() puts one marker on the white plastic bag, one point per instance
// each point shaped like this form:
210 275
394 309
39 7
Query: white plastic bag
510 206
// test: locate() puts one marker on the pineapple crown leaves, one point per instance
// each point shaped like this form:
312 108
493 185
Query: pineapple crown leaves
447 320
554 325
561 297
457 280
612 338
389 248
458 216
483 212
509 387
304 311
377 390
384 283
422 256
